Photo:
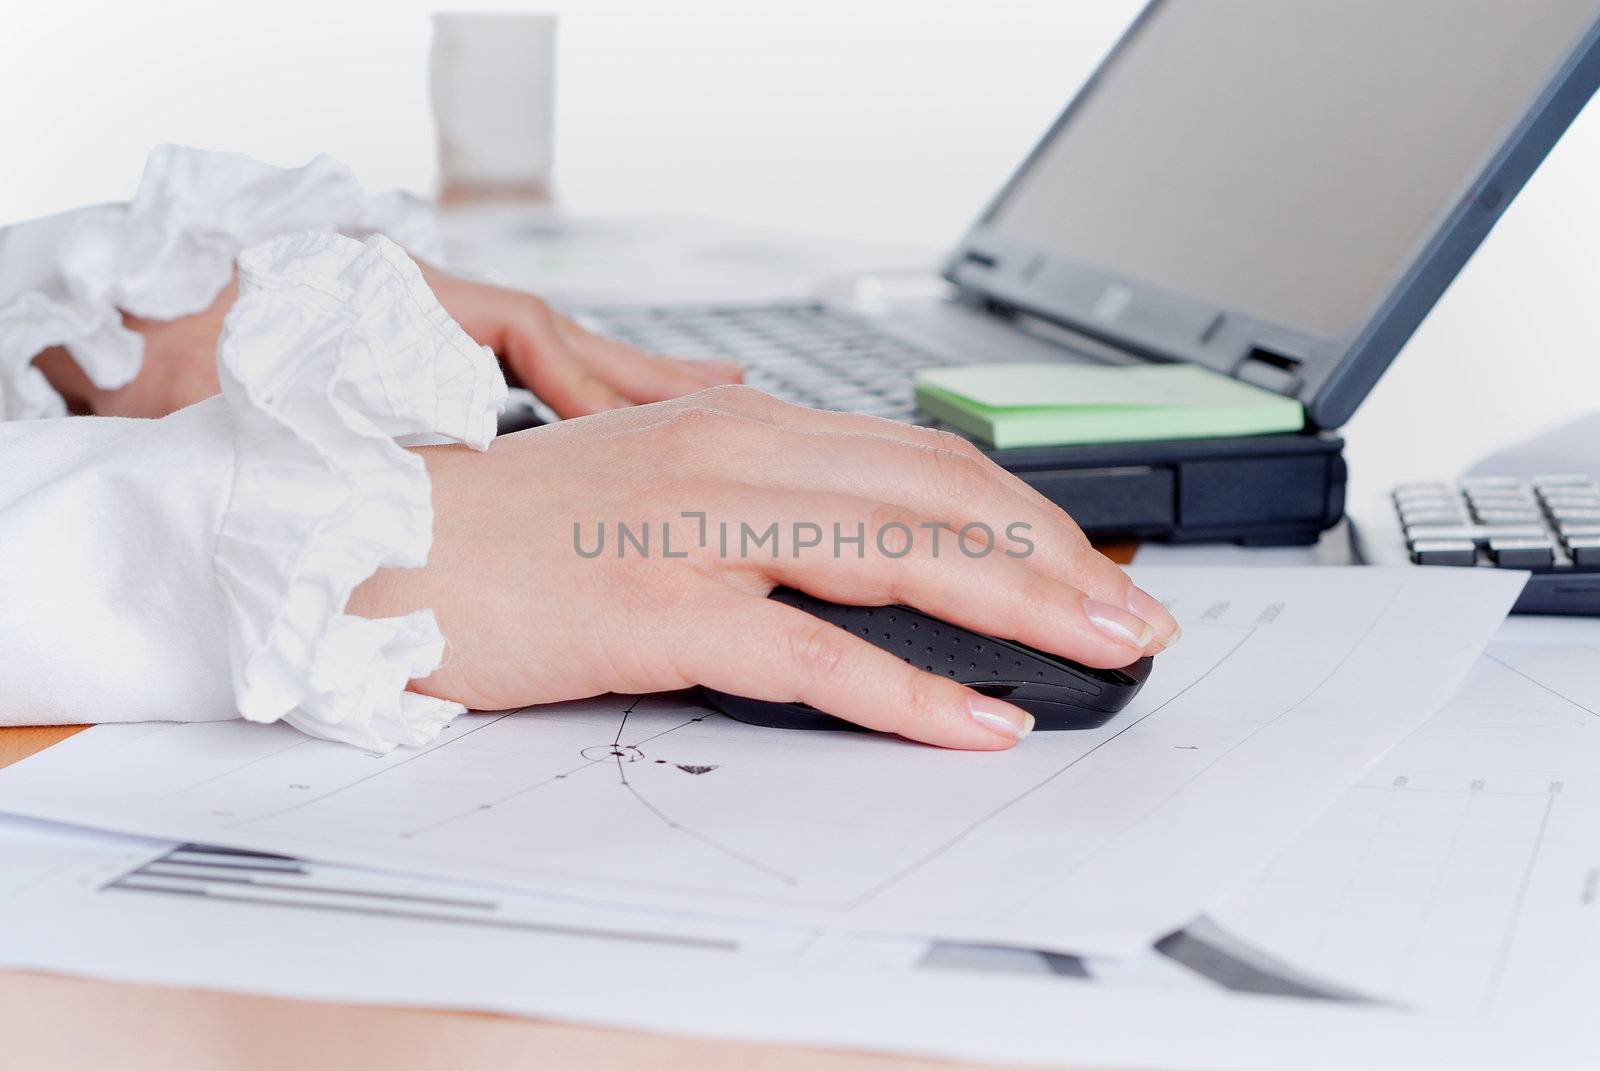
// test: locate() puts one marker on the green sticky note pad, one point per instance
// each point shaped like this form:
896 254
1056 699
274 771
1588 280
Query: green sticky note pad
1009 405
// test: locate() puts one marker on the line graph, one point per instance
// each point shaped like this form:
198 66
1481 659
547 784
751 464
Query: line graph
856 814
618 755
622 759
249 878
635 773
1456 876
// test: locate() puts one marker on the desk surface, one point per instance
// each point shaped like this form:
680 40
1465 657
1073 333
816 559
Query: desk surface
43 1019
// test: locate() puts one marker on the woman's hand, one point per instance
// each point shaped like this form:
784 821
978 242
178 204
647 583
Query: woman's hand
179 367
533 616
575 371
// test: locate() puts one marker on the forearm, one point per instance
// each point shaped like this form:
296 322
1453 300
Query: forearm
108 610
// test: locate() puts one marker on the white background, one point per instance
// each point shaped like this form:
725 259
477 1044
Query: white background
876 119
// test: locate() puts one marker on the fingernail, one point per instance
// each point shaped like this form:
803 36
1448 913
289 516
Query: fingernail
1120 625
998 717
1146 606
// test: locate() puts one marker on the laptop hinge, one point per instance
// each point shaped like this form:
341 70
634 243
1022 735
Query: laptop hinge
1057 334
1274 371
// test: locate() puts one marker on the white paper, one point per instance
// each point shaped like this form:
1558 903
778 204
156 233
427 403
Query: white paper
309 932
1446 922
1462 873
1287 684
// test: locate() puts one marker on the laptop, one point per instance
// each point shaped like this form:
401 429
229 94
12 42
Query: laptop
1276 191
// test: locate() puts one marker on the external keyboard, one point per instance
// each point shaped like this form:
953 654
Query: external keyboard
1548 524
805 353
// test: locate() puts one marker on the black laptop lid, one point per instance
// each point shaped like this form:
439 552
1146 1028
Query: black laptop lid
1281 191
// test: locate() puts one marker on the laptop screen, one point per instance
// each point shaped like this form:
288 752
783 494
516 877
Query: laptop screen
1286 160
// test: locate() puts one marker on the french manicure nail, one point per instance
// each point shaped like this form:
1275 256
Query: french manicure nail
1002 718
1146 606
1119 624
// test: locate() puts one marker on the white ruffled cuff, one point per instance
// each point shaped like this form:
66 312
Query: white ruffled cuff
168 253
333 350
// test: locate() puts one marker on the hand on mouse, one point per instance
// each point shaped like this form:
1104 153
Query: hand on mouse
532 615
574 370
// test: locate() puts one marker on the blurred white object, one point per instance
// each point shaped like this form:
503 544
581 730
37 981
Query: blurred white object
493 86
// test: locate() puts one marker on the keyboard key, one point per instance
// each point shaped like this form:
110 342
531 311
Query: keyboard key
807 354
1572 501
1431 503
1585 550
1515 531
1418 532
1488 483
1501 498
1571 514
1407 490
1444 552
1522 553
1571 479
1508 516
1432 519
1478 533
1579 501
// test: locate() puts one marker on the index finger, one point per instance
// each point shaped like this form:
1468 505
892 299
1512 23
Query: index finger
751 646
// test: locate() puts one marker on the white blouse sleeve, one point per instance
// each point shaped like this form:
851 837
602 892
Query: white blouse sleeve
198 566
66 280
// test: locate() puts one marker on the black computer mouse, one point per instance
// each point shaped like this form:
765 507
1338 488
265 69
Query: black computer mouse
1059 693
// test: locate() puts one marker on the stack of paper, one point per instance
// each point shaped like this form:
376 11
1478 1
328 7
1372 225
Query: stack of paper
657 866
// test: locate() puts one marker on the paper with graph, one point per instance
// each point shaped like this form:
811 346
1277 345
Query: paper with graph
1461 874
110 907
1287 685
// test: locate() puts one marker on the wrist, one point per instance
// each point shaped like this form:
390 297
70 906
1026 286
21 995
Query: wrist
393 591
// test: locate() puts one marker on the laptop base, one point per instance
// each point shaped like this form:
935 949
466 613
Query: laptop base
1261 491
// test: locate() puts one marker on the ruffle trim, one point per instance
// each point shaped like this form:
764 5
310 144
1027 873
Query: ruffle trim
108 352
333 350
170 251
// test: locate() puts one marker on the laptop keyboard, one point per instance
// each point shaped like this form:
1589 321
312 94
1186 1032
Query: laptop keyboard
805 353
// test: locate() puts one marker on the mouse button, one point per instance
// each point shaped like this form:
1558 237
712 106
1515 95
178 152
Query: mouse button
1026 693
1120 677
